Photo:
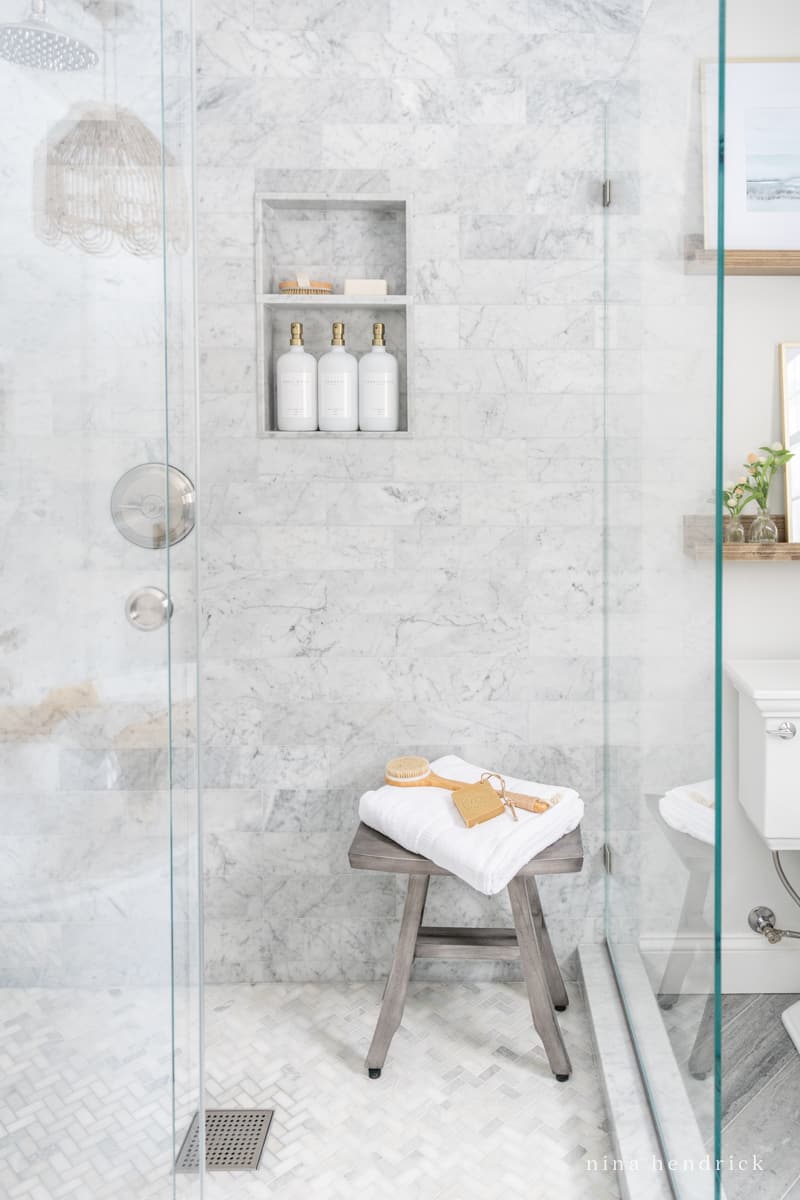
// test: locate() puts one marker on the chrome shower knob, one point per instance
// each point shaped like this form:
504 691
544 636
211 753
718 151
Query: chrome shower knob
148 608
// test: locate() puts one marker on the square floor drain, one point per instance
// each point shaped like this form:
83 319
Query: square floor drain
235 1140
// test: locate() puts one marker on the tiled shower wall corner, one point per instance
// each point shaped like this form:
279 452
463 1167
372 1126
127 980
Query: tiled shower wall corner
440 593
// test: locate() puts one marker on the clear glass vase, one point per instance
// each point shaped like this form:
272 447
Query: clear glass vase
763 529
734 531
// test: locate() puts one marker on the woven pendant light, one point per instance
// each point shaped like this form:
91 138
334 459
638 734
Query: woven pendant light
105 176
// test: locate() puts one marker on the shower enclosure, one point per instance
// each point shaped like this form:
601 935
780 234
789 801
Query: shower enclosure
512 576
100 909
662 592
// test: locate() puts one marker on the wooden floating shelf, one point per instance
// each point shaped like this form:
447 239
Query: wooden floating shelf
778 552
698 542
283 301
699 261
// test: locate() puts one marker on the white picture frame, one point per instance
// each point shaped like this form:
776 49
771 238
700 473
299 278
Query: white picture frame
762 153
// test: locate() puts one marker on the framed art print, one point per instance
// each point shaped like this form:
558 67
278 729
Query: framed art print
762 154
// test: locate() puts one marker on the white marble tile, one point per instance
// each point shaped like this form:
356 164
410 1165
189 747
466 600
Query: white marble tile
437 328
504 547
492 101
582 57
230 279
471 370
458 16
422 100
486 503
530 236
531 416
613 15
333 16
448 281
578 371
523 326
425 146
480 461
346 460
436 234
393 504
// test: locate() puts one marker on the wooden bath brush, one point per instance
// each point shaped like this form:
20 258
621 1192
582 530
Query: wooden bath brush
414 771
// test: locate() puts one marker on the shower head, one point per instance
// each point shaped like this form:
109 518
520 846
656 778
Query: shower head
34 43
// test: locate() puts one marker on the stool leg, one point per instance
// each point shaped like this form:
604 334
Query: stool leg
701 1060
394 996
690 920
552 974
544 1018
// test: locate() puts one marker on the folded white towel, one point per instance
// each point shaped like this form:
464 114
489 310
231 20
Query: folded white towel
425 821
690 809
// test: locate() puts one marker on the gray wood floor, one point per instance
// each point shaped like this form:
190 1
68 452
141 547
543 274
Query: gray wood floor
760 1096
760 1090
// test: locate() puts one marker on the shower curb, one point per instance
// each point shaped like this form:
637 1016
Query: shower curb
632 1131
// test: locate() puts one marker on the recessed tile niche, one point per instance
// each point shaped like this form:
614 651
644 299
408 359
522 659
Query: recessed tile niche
331 238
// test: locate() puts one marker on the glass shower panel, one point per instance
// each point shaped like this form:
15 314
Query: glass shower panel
181 432
661 579
98 788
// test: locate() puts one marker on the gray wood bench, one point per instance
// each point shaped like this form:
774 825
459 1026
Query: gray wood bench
528 941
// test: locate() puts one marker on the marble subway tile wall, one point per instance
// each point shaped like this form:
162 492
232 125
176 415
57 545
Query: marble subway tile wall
431 594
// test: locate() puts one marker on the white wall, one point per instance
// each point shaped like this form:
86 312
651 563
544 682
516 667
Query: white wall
760 599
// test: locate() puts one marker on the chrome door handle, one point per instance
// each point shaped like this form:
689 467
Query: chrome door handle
786 731
148 608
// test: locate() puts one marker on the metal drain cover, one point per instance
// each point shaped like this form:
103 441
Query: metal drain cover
235 1140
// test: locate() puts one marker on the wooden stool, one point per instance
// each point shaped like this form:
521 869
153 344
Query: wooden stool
528 941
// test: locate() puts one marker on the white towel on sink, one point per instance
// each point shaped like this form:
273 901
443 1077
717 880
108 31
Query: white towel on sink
425 821
690 809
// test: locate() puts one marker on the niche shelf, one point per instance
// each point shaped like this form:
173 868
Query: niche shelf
698 542
331 237
699 261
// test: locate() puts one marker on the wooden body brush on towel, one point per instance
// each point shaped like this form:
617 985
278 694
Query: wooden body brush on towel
425 821
412 770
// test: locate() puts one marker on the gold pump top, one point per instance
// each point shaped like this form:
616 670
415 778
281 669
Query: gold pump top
297 334
379 334
338 334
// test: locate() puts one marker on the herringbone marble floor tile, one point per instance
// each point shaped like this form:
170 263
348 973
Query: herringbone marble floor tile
466 1108
85 1095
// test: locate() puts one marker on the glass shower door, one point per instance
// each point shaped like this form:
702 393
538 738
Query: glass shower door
98 877
662 573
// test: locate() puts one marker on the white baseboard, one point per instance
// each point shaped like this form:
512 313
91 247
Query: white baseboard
749 963
697 952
